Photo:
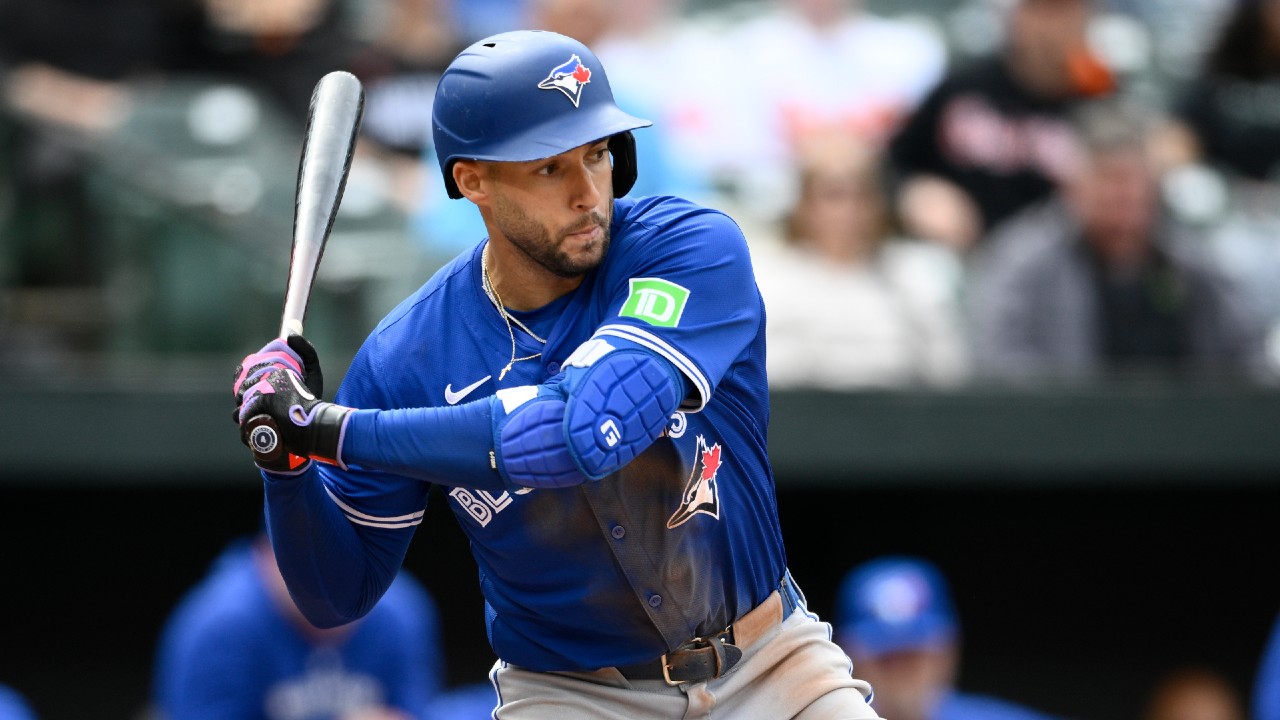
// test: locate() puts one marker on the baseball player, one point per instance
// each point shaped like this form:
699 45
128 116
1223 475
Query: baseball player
235 646
587 384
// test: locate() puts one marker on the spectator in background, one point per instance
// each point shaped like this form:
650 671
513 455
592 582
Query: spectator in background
994 136
280 48
1194 693
1266 688
481 18
65 71
800 67
1227 121
13 706
896 620
1098 279
1231 111
850 304
237 647
410 44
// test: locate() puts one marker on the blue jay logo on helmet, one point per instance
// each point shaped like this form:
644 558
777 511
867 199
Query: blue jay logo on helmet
569 78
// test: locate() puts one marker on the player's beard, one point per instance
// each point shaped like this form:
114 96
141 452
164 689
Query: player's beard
536 241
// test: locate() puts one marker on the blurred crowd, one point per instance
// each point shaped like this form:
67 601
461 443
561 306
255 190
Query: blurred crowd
937 191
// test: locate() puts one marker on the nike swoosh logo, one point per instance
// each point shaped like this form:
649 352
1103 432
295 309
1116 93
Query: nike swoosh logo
452 397
298 386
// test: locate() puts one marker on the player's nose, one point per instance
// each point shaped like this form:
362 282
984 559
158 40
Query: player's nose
585 193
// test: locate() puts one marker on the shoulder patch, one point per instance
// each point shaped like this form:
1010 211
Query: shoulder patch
655 301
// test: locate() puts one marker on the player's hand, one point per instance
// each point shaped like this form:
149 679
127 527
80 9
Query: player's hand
306 427
296 353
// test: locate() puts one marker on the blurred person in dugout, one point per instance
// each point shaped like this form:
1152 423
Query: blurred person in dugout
851 304
1194 693
896 619
13 706
994 137
1099 280
237 647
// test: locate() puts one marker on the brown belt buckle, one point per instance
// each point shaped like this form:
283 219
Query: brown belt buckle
698 643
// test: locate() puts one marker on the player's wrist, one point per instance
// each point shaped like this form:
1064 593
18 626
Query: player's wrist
328 424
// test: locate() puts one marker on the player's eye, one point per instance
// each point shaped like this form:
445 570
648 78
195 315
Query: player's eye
548 169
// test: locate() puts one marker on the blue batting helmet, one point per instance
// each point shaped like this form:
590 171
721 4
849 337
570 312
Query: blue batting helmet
528 95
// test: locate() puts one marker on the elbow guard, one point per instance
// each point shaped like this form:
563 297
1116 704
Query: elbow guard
617 407
593 422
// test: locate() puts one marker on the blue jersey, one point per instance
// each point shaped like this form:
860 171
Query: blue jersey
1266 690
13 706
676 544
228 651
967 706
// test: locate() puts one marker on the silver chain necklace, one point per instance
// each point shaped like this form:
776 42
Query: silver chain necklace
496 299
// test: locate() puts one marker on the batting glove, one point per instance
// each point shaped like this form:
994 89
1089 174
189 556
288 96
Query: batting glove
296 354
304 426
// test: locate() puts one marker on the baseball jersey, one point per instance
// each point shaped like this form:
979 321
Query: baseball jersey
228 651
1266 688
969 706
13 706
676 544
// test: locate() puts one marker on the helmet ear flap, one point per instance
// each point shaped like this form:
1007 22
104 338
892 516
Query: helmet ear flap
623 148
451 187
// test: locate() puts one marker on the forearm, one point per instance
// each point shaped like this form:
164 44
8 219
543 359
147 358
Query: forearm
335 568
447 446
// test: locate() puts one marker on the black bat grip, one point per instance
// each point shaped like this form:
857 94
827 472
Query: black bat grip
264 438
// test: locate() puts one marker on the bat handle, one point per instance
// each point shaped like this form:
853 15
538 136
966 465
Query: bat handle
264 439
290 326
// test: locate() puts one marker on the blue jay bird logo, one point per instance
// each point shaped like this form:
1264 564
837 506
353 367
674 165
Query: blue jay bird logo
568 78
702 491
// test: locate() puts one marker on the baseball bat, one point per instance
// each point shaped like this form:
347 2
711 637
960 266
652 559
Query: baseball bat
328 143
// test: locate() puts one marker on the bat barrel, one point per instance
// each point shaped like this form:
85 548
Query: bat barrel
337 104
333 122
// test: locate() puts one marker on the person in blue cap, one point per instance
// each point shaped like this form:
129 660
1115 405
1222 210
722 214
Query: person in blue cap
896 620
235 646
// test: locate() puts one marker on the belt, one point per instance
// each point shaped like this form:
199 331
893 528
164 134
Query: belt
711 656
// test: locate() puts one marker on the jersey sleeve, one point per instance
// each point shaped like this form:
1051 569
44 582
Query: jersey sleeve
371 497
686 290
340 536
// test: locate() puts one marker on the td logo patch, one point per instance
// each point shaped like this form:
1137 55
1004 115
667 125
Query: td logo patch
655 301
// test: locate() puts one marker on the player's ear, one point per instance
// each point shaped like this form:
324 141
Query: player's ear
470 178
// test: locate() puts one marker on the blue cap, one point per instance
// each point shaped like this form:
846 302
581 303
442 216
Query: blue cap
892 604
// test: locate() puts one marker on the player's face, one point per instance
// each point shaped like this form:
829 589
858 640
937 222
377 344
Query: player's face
556 210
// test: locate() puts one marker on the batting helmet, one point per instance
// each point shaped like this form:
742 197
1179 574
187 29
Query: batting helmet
528 95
